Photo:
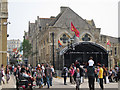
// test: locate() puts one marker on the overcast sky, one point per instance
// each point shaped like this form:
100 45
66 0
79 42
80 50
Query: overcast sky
103 12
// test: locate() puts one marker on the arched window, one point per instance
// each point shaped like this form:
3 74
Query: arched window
64 38
86 37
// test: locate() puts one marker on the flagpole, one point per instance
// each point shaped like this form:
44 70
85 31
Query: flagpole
108 55
108 50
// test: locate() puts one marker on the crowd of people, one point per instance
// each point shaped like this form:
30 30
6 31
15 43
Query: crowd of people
43 74
98 73
4 72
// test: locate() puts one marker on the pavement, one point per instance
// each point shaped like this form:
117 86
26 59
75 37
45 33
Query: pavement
58 83
10 84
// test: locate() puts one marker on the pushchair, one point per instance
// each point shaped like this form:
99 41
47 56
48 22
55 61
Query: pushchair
24 83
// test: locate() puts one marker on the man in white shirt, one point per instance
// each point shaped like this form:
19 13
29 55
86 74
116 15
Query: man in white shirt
91 62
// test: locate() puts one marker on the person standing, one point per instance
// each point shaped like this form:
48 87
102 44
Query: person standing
53 71
14 71
39 78
3 74
104 74
22 68
43 73
71 71
18 71
53 74
65 74
77 78
0 75
30 68
118 75
91 62
101 77
77 64
7 72
48 74
91 76
97 71
82 73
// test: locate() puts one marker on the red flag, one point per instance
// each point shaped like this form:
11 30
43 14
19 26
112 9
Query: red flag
108 43
74 30
59 43
14 50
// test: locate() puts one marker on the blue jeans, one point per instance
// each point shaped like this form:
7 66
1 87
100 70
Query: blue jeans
48 81
41 80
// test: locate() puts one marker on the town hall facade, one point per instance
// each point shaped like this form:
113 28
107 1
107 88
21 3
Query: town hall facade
45 33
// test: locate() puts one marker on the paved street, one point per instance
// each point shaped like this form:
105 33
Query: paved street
58 83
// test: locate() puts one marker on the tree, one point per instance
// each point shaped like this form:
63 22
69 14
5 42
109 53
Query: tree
26 48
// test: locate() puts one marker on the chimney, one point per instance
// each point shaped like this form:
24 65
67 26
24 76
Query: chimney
52 17
62 8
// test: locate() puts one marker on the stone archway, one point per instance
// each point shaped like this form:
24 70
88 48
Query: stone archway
82 52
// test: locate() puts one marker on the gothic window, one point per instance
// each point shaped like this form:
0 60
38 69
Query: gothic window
64 38
40 28
86 37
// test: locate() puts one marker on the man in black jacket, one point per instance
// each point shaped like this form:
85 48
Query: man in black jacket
91 76
65 73
82 74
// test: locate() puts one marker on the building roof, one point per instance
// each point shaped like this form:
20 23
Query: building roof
45 21
112 39
66 16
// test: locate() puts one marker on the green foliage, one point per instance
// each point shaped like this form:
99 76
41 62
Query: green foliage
26 48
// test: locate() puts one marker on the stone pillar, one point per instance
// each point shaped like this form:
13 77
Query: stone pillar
3 32
4 42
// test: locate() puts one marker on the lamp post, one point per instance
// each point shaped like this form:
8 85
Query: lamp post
53 50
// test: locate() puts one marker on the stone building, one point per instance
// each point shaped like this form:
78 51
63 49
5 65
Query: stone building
12 44
3 31
89 43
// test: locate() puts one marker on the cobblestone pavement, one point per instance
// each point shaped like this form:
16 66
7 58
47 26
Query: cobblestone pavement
58 83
